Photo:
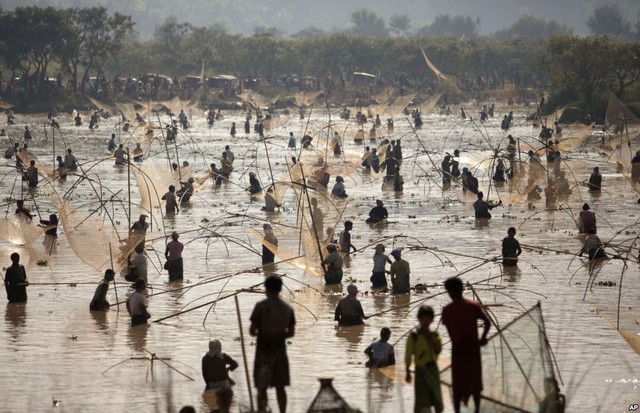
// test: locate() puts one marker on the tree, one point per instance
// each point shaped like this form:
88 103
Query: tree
447 26
171 34
93 37
311 31
399 23
609 19
269 31
579 67
625 66
533 26
367 23
34 38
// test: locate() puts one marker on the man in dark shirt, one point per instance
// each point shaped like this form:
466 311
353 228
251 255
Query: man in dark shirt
377 213
482 207
15 280
510 249
595 180
349 310
272 321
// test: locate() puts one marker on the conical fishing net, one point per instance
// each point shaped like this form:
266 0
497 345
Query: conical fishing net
303 99
448 79
26 158
18 231
627 321
256 100
100 105
275 122
517 369
573 137
127 110
619 117
553 117
153 179
94 238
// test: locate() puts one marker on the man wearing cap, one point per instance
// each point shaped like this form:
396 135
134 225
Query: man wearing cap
349 310
399 274
99 301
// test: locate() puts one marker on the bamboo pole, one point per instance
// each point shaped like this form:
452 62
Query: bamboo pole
115 288
313 222
129 197
244 353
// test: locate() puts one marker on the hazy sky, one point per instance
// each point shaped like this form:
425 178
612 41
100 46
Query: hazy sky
291 16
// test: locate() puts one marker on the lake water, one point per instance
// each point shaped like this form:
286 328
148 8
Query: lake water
54 349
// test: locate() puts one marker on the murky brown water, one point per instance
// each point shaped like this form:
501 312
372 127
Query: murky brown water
54 348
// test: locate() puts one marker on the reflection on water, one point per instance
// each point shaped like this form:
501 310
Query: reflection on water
422 215
352 334
15 316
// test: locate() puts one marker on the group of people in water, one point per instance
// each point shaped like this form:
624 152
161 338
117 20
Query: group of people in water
273 321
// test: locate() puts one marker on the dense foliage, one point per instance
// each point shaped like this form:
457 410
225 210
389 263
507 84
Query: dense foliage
293 16
46 47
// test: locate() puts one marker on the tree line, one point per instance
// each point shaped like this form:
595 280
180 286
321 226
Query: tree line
47 46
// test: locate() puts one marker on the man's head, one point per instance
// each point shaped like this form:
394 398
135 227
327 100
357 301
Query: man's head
352 289
109 275
273 285
480 195
143 217
379 203
140 284
172 188
15 258
511 232
348 225
175 235
397 254
425 315
454 287
385 333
